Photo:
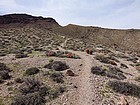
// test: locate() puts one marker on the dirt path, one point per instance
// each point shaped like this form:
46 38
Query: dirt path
84 91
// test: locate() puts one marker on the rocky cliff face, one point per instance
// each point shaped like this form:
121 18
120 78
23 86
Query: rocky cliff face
23 18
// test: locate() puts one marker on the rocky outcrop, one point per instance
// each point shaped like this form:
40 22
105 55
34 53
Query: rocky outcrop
23 18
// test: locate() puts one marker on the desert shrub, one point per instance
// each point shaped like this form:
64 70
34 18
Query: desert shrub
54 93
1 80
109 71
30 85
102 58
19 80
32 71
4 74
31 92
123 65
3 67
44 90
115 72
57 77
21 55
59 53
3 54
29 99
49 65
38 49
106 59
98 70
57 65
113 58
51 60
122 56
66 52
133 59
125 88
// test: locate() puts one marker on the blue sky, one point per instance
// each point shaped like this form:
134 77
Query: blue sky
102 13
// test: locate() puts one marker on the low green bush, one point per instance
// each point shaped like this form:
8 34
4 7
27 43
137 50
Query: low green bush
29 99
109 71
31 71
57 77
57 65
21 55
125 88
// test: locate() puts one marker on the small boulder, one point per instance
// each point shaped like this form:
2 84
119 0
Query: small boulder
70 73
87 51
112 62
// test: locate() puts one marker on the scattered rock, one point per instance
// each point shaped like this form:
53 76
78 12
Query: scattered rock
112 62
70 73
56 48
81 65
21 55
89 51
75 86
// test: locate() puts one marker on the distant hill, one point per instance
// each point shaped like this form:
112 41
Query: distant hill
115 38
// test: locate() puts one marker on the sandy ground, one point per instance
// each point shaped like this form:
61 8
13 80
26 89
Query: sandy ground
82 89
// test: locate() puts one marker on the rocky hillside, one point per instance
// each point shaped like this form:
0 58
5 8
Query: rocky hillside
119 39
15 29
43 63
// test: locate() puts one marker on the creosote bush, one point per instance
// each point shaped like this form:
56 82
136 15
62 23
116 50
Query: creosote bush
106 59
3 67
31 92
54 93
4 75
109 71
4 72
57 65
57 77
133 59
29 99
98 70
19 80
125 88
34 92
21 55
31 71
124 66
30 85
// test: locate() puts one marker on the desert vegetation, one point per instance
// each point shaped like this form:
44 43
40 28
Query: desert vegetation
43 63
125 88
109 71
